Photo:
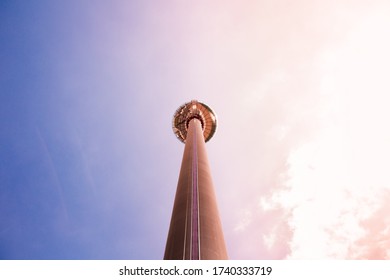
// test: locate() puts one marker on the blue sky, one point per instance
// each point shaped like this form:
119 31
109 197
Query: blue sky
83 134
88 160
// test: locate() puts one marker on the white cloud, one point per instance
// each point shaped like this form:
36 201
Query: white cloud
337 180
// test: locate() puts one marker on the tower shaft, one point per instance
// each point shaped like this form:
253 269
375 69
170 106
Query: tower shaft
195 231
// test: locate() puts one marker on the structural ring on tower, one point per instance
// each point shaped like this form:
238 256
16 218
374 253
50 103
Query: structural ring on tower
194 110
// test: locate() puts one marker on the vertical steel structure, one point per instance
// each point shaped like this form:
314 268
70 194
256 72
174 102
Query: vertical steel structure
195 232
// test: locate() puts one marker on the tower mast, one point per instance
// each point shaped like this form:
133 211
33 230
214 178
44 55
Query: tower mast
195 231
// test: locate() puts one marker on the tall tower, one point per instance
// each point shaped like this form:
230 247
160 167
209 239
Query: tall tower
195 232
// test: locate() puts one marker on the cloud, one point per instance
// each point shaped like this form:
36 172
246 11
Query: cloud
316 184
375 242
337 183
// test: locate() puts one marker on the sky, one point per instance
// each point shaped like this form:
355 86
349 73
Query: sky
300 160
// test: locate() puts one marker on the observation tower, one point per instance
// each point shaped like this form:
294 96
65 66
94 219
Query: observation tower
195 232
